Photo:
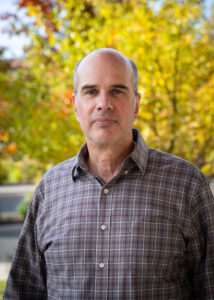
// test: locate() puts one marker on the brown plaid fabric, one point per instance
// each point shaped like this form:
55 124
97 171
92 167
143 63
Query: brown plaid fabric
146 234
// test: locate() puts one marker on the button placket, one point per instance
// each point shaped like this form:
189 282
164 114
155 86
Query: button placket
102 251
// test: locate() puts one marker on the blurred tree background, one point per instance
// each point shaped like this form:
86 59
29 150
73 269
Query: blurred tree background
172 43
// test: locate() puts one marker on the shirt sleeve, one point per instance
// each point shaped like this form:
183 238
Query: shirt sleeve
202 242
27 276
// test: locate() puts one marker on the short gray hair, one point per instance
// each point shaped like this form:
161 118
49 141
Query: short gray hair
131 63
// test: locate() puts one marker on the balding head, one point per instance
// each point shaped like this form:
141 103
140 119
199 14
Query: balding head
112 52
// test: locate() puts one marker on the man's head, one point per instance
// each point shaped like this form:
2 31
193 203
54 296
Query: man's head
128 61
106 99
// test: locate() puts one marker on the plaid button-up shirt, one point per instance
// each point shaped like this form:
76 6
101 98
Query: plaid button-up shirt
146 234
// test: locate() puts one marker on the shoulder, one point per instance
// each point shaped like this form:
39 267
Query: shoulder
64 167
58 175
171 166
160 159
52 184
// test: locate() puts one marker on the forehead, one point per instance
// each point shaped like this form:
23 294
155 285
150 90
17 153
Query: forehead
104 68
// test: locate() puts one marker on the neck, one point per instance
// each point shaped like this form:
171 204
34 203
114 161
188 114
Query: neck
105 161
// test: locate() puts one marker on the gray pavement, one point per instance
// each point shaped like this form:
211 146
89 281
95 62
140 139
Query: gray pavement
212 186
10 197
9 235
4 270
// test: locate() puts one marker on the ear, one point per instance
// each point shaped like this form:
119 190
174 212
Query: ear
74 99
137 101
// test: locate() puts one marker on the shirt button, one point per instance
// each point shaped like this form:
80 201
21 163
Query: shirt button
105 191
102 265
103 227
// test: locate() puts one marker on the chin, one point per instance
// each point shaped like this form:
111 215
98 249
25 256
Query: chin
103 140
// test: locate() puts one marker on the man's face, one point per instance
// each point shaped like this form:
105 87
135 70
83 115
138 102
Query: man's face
105 103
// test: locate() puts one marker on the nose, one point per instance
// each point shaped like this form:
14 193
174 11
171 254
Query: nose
104 103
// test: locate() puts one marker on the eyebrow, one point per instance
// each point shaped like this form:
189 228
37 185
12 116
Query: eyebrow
88 86
92 86
120 86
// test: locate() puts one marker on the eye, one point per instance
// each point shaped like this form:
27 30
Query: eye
91 92
117 92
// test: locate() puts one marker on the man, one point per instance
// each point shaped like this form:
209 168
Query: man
119 220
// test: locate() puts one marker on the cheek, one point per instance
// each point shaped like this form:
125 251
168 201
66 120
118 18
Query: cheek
128 113
83 114
80 110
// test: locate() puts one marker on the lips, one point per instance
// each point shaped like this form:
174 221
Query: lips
104 121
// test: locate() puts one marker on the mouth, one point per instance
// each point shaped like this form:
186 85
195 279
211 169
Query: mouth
104 121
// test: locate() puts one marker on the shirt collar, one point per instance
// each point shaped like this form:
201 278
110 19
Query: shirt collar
80 165
140 152
139 155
